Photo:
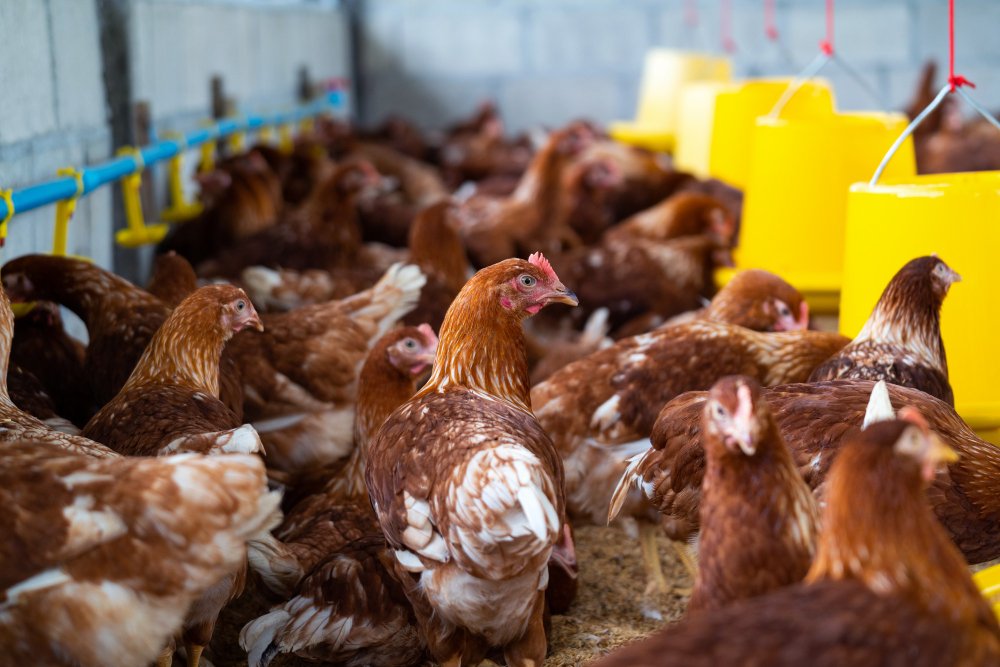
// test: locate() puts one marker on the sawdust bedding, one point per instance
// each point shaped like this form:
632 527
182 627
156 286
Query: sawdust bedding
607 613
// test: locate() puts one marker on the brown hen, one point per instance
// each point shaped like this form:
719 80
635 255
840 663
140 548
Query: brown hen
43 348
901 341
331 543
494 228
103 558
241 197
758 517
300 374
171 400
814 420
887 586
466 484
171 404
16 424
322 234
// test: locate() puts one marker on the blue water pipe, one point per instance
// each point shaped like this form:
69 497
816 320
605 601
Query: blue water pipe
50 192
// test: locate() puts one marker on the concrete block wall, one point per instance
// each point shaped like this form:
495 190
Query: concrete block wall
552 61
54 110
52 115
257 46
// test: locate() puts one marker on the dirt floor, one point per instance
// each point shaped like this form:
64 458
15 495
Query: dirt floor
607 613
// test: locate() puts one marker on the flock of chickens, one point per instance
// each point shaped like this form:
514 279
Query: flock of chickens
261 412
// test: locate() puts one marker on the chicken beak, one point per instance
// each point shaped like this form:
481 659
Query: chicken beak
792 322
249 320
953 277
743 422
938 453
559 294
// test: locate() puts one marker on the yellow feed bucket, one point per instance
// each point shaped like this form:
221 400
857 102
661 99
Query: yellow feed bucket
664 73
988 582
956 216
795 204
716 122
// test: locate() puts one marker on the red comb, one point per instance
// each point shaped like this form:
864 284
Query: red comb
538 259
428 332
912 415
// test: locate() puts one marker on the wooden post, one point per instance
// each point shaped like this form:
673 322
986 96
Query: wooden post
142 124
218 93
307 90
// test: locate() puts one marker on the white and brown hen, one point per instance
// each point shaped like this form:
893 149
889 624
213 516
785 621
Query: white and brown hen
466 484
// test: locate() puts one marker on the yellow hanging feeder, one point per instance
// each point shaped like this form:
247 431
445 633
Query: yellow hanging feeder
716 122
795 203
663 75
892 221
955 216
138 233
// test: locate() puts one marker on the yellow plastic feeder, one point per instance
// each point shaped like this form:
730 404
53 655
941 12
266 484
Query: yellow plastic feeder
988 582
956 216
663 75
795 204
716 122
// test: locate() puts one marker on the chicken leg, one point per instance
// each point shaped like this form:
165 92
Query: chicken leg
193 654
166 657
689 562
656 583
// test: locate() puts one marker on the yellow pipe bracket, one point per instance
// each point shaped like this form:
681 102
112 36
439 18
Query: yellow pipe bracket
65 208
7 197
237 142
137 233
180 208
285 139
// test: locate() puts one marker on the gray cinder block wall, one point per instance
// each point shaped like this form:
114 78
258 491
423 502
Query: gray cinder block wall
52 115
548 61
53 107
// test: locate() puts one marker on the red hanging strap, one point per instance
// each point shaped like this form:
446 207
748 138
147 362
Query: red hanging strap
826 45
954 80
726 25
770 22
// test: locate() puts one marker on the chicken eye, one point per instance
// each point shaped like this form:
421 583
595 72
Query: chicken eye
410 344
241 305
783 310
720 412
527 281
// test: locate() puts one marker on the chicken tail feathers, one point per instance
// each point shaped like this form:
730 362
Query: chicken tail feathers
879 405
624 487
275 563
596 328
258 637
240 440
393 296
261 283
